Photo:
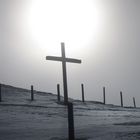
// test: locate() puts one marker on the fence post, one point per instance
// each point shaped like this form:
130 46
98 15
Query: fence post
134 102
103 95
58 92
83 96
70 122
121 98
32 93
0 93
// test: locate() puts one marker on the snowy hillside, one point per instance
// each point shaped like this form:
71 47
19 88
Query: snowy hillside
46 119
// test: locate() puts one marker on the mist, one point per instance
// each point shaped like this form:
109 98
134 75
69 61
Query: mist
110 57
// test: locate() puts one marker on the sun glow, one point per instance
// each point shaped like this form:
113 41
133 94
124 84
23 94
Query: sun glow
55 21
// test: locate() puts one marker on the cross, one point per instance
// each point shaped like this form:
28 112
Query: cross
63 59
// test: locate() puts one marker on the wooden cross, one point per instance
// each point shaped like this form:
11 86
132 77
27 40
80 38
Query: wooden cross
63 59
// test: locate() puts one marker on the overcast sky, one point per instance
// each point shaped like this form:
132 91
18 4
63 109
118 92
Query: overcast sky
105 35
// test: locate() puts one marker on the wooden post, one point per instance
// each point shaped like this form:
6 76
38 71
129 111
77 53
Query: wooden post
83 97
0 93
32 93
103 95
134 102
70 122
58 92
121 98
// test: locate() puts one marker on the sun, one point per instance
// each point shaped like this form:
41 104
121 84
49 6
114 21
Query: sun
54 21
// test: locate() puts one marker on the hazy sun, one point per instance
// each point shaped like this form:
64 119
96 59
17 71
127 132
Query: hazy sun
55 21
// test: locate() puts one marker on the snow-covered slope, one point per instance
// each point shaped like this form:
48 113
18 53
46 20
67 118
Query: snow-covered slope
46 119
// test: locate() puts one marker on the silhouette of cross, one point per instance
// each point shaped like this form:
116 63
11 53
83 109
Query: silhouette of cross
63 59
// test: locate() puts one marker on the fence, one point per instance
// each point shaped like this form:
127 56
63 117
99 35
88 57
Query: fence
71 131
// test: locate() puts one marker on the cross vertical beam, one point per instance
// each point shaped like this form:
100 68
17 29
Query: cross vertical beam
64 74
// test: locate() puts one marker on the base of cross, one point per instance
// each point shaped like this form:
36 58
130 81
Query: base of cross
63 103
69 106
70 121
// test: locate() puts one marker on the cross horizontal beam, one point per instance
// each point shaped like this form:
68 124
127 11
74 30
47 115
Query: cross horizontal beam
70 60
54 58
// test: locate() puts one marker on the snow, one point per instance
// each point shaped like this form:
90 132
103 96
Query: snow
46 119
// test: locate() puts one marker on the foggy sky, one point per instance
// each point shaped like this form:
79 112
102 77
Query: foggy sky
114 63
